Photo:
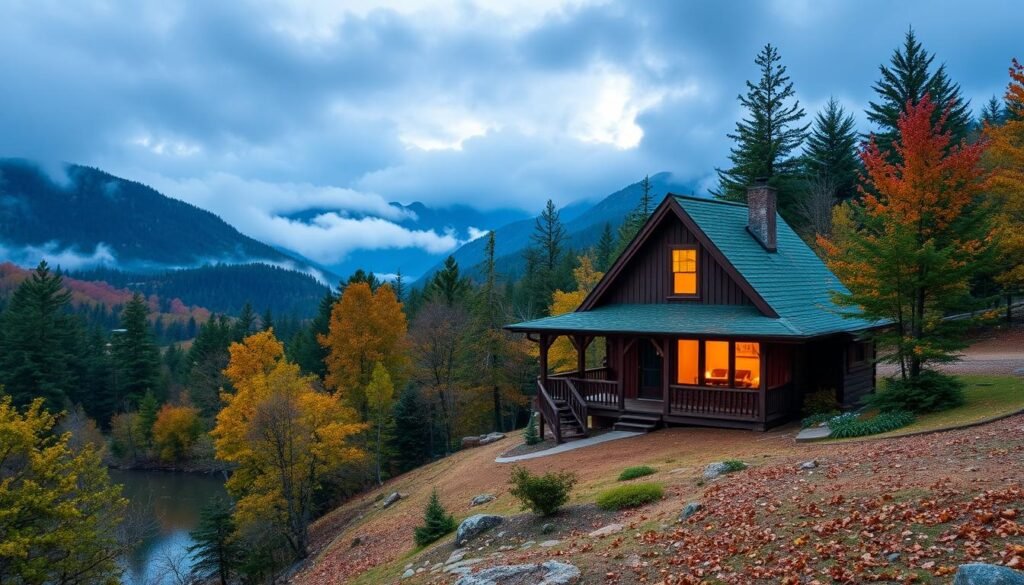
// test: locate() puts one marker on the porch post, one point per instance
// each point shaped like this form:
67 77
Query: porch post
543 344
666 377
762 390
581 356
620 367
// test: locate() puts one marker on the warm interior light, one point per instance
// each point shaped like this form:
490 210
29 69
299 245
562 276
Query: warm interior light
684 272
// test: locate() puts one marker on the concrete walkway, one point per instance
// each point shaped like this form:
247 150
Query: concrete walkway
570 446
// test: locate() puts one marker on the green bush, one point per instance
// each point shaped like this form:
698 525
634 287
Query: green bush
732 465
820 402
635 472
530 435
929 392
436 522
543 494
851 425
630 496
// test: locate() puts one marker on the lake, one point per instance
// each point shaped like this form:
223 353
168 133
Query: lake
169 503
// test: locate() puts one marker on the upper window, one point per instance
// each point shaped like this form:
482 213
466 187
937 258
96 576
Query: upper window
684 271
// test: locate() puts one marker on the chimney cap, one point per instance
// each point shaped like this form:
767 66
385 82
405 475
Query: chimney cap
761 182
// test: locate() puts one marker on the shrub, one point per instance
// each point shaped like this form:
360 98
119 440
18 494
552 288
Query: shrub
821 401
929 392
851 425
630 496
175 431
543 494
436 522
732 465
635 472
530 435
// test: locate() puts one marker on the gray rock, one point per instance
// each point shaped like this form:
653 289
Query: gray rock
391 499
455 557
548 573
468 442
491 437
982 574
408 573
809 464
549 543
481 500
715 469
547 528
690 509
892 557
606 531
474 526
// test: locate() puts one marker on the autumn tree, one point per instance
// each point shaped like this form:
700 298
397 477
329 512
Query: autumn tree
175 431
283 436
380 395
365 328
562 355
59 511
1005 156
765 140
922 236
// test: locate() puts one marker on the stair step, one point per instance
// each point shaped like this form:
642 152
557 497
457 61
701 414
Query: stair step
633 427
640 418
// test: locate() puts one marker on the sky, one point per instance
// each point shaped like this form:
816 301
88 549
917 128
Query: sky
259 109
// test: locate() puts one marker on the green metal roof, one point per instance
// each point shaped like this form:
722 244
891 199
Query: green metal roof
794 282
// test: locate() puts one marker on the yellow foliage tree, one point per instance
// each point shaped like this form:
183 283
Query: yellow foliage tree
283 435
380 396
562 354
1005 156
175 431
59 512
365 328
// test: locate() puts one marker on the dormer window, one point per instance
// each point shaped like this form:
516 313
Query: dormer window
684 271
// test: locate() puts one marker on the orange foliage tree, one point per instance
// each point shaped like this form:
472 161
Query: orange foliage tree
284 436
175 431
1005 156
921 236
562 354
365 328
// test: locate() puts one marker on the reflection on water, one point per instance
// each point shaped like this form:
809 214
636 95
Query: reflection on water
169 503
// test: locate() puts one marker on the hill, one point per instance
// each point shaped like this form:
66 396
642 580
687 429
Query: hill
225 288
895 510
583 222
83 217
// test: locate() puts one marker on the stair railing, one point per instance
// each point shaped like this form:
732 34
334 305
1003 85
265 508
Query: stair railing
577 405
549 411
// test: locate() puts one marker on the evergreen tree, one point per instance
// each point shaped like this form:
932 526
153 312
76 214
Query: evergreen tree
437 522
360 275
448 285
636 219
544 258
267 320
399 285
411 446
549 236
908 79
149 406
767 137
604 253
531 436
215 552
993 113
304 348
207 358
245 325
136 357
37 341
831 153
97 393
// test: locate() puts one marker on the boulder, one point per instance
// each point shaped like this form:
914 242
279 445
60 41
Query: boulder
606 530
491 437
982 574
408 573
391 499
481 500
468 442
550 543
474 526
548 528
548 573
809 464
690 509
715 469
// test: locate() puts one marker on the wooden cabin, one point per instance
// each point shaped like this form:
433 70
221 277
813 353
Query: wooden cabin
716 314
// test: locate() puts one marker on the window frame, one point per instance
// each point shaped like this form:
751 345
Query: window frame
852 360
702 363
697 273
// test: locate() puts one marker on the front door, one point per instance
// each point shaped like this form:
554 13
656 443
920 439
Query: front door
650 371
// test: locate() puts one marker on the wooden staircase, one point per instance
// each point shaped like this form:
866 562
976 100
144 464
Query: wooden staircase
637 423
567 423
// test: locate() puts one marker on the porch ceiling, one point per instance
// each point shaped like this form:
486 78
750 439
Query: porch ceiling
666 319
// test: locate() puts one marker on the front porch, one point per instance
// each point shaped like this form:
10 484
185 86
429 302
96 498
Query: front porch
639 383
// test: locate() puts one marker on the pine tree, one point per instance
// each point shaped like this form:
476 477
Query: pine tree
993 113
399 285
149 406
245 325
267 320
767 137
448 285
604 253
831 153
215 552
411 446
549 236
37 341
136 357
907 80
437 522
544 258
304 349
636 219
531 436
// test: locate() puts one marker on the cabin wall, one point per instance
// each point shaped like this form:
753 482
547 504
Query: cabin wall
648 277
827 364
859 375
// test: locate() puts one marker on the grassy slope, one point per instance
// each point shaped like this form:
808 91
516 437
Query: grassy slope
776 520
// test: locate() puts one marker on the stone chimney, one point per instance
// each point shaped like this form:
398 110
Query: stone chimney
761 203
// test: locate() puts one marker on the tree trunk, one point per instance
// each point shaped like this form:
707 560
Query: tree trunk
497 410
1009 308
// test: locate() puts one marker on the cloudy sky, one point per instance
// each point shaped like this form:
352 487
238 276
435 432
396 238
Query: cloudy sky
259 109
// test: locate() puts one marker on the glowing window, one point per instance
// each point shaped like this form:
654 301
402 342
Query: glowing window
748 364
716 363
687 366
684 272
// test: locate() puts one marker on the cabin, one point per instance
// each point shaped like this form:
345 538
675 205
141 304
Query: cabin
716 314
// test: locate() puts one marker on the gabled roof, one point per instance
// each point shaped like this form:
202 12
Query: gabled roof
791 287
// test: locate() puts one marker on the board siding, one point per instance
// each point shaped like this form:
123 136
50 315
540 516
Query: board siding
648 278
858 379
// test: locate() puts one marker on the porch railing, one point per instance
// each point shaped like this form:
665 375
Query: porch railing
549 412
594 387
565 389
723 403
779 401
